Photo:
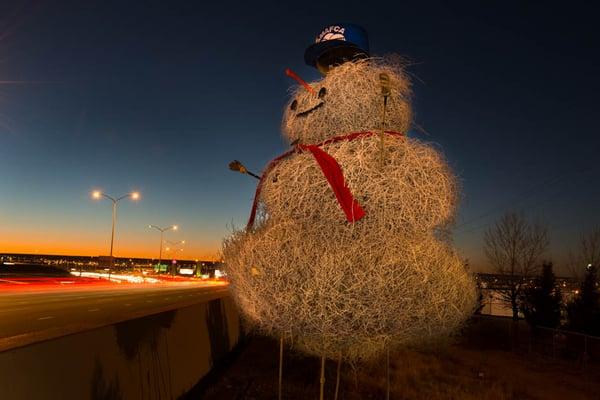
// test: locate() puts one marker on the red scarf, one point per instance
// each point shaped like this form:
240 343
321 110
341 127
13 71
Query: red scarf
332 171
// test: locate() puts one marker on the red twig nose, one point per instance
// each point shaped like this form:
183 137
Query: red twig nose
301 81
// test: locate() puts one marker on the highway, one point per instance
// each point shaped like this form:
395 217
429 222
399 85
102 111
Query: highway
32 316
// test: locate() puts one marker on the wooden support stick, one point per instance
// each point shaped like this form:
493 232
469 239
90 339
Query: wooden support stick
337 380
387 377
280 366
322 381
381 136
384 80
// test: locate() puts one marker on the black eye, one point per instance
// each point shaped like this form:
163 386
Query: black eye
294 105
322 92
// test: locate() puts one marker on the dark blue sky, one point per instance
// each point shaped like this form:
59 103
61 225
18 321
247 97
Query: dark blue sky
160 97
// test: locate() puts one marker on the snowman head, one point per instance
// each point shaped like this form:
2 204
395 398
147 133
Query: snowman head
350 99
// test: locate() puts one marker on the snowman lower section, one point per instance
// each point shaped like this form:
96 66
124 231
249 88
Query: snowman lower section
335 293
354 289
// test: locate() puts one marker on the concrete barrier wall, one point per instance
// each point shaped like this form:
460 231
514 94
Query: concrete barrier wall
160 356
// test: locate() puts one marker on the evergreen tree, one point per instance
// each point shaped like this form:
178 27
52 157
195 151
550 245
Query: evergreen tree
584 310
541 302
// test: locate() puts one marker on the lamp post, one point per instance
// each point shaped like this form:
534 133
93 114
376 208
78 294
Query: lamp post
175 244
98 195
162 231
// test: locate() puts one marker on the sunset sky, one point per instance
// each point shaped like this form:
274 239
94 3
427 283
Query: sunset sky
159 98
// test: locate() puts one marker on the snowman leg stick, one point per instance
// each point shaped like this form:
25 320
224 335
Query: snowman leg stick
384 80
280 366
337 380
322 380
387 372
235 165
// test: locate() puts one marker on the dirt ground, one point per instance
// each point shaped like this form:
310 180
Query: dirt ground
459 371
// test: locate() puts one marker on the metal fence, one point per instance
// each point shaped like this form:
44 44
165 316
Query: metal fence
557 343
506 334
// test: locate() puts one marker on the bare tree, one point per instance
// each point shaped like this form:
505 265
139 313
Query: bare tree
514 246
588 252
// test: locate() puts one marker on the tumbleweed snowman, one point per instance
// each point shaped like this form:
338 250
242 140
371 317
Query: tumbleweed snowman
347 249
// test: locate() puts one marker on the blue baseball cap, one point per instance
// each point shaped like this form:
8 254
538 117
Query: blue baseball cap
347 39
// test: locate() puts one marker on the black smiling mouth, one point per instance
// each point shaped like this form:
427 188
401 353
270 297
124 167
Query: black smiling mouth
306 112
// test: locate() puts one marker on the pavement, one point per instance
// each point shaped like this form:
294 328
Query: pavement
27 317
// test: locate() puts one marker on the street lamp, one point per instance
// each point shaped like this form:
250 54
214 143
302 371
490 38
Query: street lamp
162 231
175 244
97 194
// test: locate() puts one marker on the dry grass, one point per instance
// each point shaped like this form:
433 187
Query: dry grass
458 372
390 279
429 376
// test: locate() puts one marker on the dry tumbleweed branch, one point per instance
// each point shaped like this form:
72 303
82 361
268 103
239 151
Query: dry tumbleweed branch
388 279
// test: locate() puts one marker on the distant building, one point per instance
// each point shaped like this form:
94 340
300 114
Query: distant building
491 285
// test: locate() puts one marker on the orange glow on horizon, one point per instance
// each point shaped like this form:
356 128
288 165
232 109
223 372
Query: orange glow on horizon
94 250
